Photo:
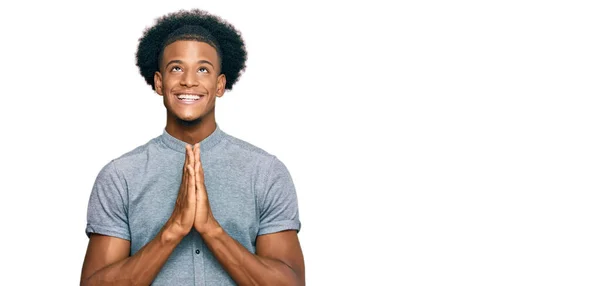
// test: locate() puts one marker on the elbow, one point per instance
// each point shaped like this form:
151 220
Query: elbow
84 281
289 276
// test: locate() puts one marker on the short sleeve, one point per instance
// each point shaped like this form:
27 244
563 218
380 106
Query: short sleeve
107 207
279 208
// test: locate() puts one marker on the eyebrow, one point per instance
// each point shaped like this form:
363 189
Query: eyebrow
180 62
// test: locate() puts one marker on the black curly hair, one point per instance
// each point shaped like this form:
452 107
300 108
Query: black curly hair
196 25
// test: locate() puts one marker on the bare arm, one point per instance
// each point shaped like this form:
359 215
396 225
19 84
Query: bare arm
107 258
278 259
107 261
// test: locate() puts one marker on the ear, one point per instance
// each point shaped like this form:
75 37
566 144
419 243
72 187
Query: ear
158 87
221 82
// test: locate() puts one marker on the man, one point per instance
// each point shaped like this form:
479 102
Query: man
193 206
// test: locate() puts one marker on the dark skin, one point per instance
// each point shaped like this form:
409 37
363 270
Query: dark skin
193 68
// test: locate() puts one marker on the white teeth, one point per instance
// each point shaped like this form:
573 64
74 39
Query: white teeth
188 96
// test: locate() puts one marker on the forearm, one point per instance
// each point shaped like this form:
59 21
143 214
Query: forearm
139 269
245 267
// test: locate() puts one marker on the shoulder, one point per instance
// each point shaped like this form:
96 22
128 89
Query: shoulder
243 150
242 146
246 155
134 158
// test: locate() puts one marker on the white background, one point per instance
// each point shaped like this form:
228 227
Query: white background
431 142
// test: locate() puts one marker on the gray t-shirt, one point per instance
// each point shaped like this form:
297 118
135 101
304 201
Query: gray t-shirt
250 191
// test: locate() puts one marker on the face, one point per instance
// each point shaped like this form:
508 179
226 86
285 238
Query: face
189 80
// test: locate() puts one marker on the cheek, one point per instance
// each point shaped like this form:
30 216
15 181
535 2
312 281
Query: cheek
208 82
169 82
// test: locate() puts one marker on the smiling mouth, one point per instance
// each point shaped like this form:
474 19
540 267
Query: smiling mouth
188 97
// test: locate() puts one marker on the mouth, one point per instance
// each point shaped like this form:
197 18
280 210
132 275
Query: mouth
188 98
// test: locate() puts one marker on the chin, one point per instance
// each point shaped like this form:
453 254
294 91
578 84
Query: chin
189 121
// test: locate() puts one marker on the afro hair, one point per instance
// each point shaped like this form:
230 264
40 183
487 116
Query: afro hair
192 25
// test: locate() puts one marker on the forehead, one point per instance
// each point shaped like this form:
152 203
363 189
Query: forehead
190 50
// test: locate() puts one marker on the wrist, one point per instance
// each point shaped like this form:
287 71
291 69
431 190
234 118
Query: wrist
213 232
168 235
212 229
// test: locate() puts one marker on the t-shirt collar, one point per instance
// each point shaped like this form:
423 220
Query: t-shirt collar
205 145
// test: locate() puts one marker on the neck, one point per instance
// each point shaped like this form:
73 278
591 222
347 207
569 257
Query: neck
191 132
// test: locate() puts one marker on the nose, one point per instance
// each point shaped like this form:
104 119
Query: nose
189 79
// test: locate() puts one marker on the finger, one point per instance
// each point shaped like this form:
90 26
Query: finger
185 159
197 165
184 169
195 151
184 175
185 172
181 200
200 189
198 162
190 154
199 176
191 186
185 184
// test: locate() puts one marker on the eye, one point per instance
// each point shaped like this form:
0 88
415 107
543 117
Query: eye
203 70
176 69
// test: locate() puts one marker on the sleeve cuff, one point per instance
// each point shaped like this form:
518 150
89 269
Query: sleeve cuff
278 226
98 229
